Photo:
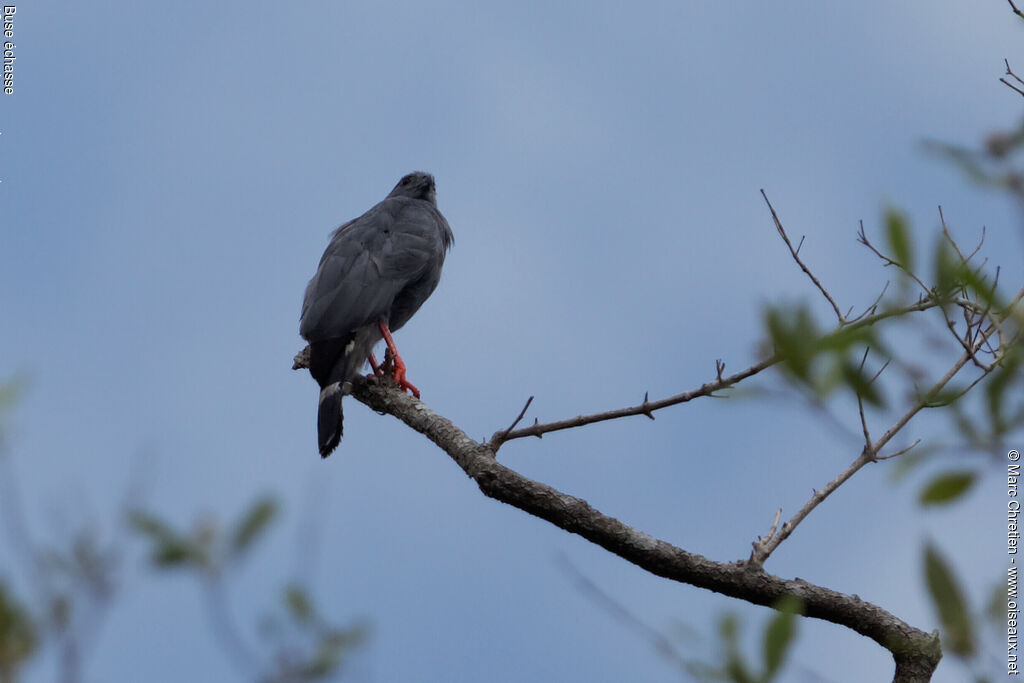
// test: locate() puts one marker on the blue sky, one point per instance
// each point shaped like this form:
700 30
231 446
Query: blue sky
170 177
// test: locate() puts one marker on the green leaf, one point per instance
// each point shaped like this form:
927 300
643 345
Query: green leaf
170 549
947 487
995 609
948 598
795 336
947 271
150 526
779 634
1003 381
176 554
18 638
980 288
735 667
897 233
10 392
946 396
253 523
299 605
847 338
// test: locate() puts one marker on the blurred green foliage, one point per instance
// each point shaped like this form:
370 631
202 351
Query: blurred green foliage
304 646
18 639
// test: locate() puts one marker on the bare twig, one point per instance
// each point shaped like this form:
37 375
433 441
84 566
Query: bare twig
898 453
1011 86
647 407
949 237
1009 71
512 426
796 257
765 547
860 401
863 239
873 308
773 528
981 241
863 420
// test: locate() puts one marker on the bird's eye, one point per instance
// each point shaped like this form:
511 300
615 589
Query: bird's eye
406 180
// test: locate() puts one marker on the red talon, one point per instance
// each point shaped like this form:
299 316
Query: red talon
397 361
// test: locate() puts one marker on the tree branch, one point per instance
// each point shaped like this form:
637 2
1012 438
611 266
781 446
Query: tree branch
915 652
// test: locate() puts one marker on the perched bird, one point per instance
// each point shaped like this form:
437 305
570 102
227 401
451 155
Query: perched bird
375 274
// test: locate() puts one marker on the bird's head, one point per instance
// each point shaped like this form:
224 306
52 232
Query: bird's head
416 185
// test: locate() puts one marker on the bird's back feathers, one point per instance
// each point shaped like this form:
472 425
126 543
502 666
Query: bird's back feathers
378 267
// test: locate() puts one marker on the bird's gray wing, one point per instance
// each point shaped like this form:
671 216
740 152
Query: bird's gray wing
367 263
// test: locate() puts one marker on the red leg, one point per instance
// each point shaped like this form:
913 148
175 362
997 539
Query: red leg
376 368
400 379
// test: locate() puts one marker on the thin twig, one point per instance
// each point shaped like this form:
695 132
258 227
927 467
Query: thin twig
870 310
881 370
863 239
645 408
1011 86
796 257
980 242
898 453
860 402
863 420
949 236
498 438
1010 72
773 528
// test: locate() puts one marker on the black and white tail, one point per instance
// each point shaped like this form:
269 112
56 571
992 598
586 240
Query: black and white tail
328 363
329 419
